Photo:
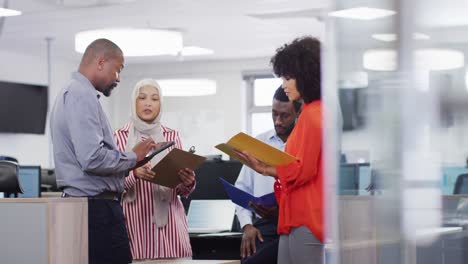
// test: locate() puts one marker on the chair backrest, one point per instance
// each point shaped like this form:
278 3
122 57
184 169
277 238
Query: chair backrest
461 185
8 158
9 182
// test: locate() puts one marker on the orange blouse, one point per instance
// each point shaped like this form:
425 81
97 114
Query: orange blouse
301 201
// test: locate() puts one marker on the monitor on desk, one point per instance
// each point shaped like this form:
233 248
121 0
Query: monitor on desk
208 184
209 187
348 182
365 178
354 178
30 180
449 177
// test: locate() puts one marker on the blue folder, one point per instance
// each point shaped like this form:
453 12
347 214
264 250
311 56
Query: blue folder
242 198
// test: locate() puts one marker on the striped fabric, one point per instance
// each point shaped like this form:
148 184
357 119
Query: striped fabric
147 241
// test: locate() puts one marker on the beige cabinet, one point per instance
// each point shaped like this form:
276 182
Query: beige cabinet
44 230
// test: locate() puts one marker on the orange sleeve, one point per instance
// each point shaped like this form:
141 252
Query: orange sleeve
306 146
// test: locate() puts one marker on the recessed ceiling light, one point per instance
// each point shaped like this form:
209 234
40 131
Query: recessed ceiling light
439 59
363 13
195 51
91 3
424 59
187 87
354 80
421 36
4 12
134 41
392 37
380 60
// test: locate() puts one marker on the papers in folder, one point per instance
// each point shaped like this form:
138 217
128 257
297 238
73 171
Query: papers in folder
168 168
260 150
243 198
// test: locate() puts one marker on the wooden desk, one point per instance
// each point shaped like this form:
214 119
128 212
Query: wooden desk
51 194
44 230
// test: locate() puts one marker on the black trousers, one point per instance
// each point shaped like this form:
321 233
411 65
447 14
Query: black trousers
107 235
267 252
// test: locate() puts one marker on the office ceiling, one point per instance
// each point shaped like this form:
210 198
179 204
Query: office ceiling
233 29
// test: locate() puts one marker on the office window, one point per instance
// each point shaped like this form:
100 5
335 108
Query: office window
260 91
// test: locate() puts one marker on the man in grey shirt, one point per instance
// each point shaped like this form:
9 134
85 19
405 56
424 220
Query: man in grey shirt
87 161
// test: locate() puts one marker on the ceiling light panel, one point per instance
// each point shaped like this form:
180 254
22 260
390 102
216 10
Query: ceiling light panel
389 37
362 13
195 51
424 59
4 12
92 3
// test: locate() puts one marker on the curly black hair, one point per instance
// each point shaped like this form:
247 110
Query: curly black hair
300 60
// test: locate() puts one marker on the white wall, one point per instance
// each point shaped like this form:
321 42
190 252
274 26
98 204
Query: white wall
31 149
202 121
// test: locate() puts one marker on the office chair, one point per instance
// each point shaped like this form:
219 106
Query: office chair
9 183
8 158
461 185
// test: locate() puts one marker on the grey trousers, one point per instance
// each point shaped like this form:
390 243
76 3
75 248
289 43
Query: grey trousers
300 246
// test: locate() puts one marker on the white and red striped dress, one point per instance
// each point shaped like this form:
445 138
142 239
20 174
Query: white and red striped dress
146 240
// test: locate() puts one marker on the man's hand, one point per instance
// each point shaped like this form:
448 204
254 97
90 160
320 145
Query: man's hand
187 176
264 211
142 148
248 240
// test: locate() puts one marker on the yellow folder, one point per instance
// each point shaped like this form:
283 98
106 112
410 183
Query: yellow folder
260 150
168 168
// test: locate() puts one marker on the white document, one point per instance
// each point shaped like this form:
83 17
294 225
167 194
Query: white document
210 216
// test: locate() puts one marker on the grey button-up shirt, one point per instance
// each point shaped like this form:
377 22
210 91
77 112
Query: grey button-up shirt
87 161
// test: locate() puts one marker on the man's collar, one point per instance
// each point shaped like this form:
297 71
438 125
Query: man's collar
81 78
272 135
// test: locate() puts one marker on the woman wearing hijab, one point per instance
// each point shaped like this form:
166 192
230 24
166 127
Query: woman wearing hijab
155 217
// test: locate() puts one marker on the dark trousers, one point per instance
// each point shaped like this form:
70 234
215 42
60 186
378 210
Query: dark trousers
107 234
267 252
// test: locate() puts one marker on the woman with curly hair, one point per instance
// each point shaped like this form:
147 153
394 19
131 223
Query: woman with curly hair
299 184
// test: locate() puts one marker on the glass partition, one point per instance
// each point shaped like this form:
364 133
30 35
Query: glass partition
397 68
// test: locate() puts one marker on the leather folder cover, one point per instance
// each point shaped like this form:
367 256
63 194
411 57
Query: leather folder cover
260 150
167 169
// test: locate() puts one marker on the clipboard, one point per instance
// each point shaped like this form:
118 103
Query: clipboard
167 169
242 198
260 150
